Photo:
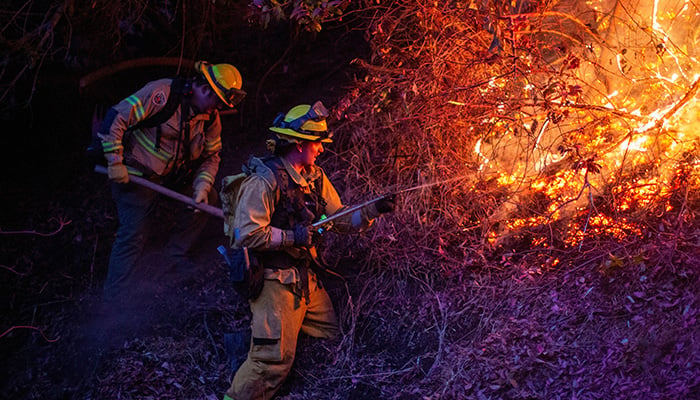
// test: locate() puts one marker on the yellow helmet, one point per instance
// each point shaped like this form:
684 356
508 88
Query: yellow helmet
224 79
303 122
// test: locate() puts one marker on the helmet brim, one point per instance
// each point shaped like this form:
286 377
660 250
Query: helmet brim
218 91
202 69
296 135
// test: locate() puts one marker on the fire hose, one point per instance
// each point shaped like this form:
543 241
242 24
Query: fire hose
350 210
217 212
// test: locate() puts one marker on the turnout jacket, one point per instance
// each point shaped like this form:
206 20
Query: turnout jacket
258 198
138 149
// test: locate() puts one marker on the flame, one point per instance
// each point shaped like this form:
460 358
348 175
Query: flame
602 227
625 136
634 145
639 194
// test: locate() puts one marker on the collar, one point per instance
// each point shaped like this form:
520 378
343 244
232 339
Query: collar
296 177
308 174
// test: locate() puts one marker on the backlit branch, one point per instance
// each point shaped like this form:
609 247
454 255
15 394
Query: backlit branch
61 224
32 328
29 51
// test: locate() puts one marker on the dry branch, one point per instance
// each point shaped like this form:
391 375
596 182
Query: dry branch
29 327
61 224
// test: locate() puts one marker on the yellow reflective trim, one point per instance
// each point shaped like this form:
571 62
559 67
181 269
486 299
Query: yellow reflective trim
109 147
204 175
213 146
136 106
133 171
150 146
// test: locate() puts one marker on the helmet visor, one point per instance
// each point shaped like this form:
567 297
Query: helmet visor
317 112
309 126
234 96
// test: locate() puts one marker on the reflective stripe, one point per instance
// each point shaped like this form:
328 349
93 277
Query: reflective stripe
278 238
137 107
150 146
110 147
134 171
204 175
213 146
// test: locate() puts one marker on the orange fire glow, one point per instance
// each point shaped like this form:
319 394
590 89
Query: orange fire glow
635 121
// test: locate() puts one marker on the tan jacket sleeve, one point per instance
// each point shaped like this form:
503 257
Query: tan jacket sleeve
359 220
256 204
145 102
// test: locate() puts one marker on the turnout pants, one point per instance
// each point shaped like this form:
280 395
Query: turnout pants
278 317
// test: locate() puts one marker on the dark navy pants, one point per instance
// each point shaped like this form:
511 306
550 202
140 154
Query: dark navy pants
135 206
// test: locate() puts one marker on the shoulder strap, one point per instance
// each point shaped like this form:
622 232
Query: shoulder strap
180 90
318 185
281 176
230 187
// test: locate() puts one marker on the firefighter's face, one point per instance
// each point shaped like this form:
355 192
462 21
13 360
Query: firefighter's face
310 151
205 100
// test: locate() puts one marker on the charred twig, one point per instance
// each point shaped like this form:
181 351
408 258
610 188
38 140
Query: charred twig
585 27
209 335
43 36
62 223
29 327
13 270
365 65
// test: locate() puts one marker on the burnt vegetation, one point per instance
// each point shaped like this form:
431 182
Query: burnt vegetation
545 242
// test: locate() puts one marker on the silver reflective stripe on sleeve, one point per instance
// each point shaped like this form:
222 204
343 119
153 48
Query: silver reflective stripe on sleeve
278 238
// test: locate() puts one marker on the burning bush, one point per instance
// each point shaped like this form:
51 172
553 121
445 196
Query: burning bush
546 159
522 125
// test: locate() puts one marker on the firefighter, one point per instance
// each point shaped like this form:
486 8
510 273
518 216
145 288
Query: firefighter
169 132
276 204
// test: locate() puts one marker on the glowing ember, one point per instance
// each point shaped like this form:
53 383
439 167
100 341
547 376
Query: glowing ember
618 121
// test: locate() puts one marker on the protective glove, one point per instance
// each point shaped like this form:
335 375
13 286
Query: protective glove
117 172
201 193
302 235
386 204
